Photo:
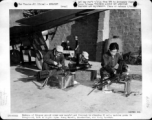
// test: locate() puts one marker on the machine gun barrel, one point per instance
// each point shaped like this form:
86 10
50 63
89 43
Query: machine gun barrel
91 91
100 83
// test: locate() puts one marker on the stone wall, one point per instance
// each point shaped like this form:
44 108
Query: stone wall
100 39
86 30
90 29
60 35
127 25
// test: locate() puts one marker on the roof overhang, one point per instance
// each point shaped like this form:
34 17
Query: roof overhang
48 20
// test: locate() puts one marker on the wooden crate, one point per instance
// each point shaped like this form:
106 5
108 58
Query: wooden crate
61 81
86 75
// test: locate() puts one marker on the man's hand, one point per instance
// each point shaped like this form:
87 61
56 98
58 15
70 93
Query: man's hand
108 81
72 54
115 71
60 65
128 70
55 63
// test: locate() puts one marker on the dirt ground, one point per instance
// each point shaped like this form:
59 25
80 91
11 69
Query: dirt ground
27 98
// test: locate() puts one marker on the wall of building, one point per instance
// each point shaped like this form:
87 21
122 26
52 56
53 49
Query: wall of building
86 30
60 35
127 25
91 31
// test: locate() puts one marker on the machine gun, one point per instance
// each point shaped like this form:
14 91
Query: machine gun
119 79
74 67
99 85
122 77
58 71
44 75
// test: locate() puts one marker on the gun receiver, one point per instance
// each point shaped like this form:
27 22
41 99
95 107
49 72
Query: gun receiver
121 79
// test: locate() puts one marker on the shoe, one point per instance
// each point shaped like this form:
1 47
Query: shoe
127 94
94 86
99 87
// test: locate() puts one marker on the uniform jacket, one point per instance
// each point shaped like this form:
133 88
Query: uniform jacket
108 62
81 60
50 57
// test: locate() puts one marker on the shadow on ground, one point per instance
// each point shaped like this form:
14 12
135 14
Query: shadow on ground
28 74
31 65
26 71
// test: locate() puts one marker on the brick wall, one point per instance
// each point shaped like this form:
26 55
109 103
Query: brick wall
99 47
127 25
86 30
61 35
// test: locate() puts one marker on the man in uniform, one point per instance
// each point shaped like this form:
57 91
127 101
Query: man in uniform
109 63
83 61
54 59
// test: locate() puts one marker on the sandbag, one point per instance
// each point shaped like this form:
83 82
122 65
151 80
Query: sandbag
113 40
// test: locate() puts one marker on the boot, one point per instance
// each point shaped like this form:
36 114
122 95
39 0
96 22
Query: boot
100 87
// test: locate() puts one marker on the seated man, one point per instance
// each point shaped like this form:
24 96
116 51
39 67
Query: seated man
54 59
82 62
109 62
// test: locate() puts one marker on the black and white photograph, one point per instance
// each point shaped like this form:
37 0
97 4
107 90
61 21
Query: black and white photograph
75 60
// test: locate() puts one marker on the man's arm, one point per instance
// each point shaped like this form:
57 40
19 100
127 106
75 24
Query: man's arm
62 60
105 64
48 58
121 63
120 58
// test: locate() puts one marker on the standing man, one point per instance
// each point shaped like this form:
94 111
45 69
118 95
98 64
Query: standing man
54 58
77 50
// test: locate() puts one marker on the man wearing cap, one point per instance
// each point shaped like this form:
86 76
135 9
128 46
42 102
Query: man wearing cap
83 58
53 59
83 61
